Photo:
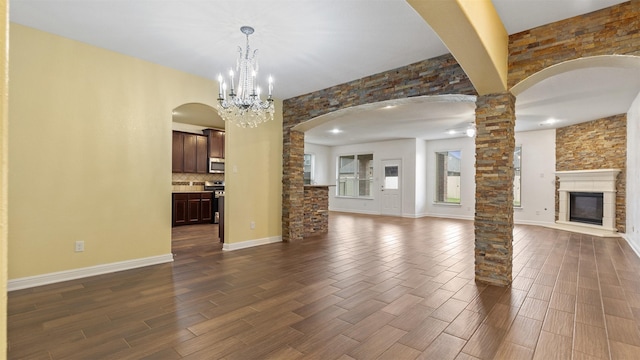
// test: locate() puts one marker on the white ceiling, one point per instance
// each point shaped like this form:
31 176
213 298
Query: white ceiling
308 45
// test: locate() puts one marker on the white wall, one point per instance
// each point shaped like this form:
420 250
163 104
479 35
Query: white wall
418 174
538 187
466 208
322 160
404 150
538 177
633 175
421 177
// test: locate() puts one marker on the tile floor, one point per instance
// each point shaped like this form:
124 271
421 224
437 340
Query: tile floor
372 288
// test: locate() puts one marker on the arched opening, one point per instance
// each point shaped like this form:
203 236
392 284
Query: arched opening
197 114
391 137
197 181
583 104
576 91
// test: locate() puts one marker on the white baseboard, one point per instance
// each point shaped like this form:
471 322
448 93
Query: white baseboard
251 243
60 276
584 230
536 223
634 247
411 216
449 216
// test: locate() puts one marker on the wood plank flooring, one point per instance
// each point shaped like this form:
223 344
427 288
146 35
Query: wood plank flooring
372 288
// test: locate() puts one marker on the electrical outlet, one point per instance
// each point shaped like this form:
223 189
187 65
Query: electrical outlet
79 246
252 225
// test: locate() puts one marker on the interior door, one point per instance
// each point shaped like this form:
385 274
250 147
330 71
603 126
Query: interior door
391 188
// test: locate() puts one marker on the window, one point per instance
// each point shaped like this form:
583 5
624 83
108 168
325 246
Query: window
448 177
355 175
308 169
517 163
391 177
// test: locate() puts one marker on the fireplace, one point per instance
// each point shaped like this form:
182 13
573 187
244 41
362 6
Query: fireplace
585 207
587 201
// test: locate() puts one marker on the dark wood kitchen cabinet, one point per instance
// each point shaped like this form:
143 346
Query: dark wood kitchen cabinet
180 212
189 145
177 158
206 209
191 208
202 158
216 143
189 153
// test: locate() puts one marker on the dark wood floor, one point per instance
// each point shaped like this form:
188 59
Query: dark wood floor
372 288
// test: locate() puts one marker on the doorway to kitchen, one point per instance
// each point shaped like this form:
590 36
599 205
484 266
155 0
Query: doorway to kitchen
391 188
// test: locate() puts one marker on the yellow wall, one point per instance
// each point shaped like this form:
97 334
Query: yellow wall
253 181
90 153
3 177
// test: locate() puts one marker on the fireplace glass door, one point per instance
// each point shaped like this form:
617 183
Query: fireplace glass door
585 207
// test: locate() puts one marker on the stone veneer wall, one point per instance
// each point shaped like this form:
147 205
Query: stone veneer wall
316 210
438 76
598 144
493 222
609 31
292 185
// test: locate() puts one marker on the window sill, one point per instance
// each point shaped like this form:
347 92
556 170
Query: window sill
447 204
354 197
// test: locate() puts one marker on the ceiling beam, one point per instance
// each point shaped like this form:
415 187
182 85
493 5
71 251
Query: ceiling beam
475 36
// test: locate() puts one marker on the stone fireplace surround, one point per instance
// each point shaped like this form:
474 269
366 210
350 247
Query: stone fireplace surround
592 181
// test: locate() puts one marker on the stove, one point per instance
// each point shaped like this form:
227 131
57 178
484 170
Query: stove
216 186
218 190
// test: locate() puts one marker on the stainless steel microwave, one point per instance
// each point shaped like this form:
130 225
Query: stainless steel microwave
216 166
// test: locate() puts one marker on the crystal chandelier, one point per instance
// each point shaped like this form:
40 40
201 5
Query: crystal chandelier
242 105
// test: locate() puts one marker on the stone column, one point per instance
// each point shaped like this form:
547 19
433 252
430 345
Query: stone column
495 143
293 185
316 209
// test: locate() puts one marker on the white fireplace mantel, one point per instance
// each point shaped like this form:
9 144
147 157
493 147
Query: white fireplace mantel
594 181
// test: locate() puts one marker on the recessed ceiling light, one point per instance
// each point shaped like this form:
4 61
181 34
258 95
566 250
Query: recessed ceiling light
549 121
451 132
389 107
335 131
